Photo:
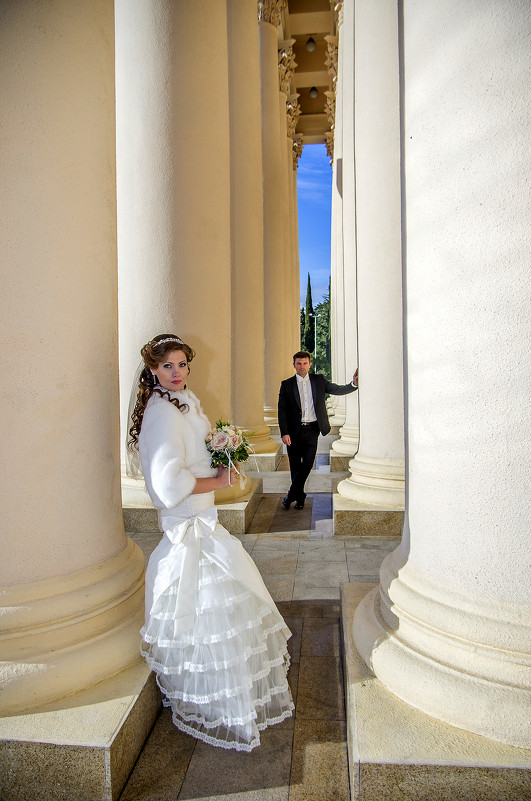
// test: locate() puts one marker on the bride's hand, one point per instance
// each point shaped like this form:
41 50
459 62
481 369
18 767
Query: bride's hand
226 478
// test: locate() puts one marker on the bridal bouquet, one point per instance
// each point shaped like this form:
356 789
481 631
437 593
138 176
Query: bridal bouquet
227 445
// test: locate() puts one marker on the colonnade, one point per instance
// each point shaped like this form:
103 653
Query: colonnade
202 248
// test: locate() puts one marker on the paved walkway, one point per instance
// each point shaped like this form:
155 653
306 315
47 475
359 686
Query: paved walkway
305 757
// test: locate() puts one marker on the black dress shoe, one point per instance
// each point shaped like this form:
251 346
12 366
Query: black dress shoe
300 504
286 503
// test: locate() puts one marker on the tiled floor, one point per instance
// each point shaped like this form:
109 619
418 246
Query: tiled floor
305 757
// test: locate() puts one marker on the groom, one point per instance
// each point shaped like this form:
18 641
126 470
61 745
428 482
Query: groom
301 416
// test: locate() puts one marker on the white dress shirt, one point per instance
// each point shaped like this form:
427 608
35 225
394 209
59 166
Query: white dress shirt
305 392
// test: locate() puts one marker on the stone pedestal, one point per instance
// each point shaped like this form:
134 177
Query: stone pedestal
356 519
393 747
235 511
83 749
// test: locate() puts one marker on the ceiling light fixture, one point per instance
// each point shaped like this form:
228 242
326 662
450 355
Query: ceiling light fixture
310 45
313 92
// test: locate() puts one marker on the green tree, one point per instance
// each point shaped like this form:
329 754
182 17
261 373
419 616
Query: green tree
308 338
323 337
303 320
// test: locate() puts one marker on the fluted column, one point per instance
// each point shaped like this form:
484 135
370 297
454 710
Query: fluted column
72 583
174 207
377 470
347 444
449 628
247 366
337 282
276 361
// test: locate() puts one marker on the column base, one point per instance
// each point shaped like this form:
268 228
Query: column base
461 658
378 482
363 520
83 747
393 746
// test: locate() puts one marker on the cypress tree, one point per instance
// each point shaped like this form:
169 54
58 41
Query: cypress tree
308 342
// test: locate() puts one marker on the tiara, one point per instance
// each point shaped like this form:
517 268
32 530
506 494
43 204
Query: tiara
168 339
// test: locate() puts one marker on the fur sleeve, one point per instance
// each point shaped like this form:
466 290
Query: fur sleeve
163 454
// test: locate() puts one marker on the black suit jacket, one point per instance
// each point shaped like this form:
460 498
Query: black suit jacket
289 402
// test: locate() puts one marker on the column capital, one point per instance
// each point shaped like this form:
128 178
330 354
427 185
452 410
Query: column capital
293 111
337 10
329 142
271 11
330 108
286 65
297 149
331 56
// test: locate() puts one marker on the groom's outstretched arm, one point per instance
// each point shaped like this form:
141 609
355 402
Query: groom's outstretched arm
342 389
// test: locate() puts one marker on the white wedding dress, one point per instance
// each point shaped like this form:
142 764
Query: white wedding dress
212 633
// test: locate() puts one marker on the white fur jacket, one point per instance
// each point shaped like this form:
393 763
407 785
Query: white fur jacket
172 448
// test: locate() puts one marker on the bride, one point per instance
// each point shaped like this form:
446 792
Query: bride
212 632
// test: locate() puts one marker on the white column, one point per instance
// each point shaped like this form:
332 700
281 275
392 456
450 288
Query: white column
276 362
172 82
147 257
174 205
377 470
247 365
337 282
449 629
72 583
347 444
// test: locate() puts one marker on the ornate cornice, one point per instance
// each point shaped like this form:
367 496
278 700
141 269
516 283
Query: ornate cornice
331 56
337 10
330 108
293 111
286 65
297 150
271 11
329 142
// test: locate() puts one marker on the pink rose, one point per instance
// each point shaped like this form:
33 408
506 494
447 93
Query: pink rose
220 440
236 441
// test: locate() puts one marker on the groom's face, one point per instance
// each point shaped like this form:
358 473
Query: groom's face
302 366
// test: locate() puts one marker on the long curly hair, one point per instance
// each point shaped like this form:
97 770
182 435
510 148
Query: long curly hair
155 354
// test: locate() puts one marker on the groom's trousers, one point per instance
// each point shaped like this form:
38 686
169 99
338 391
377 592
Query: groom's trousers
301 455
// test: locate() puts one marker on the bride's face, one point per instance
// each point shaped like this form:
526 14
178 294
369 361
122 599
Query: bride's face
172 373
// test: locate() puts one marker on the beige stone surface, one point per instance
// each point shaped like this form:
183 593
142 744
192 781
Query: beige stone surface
236 516
338 463
361 520
264 462
82 747
396 752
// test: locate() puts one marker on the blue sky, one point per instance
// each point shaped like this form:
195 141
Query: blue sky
314 187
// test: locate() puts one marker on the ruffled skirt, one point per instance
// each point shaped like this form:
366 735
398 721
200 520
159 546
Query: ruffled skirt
225 678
